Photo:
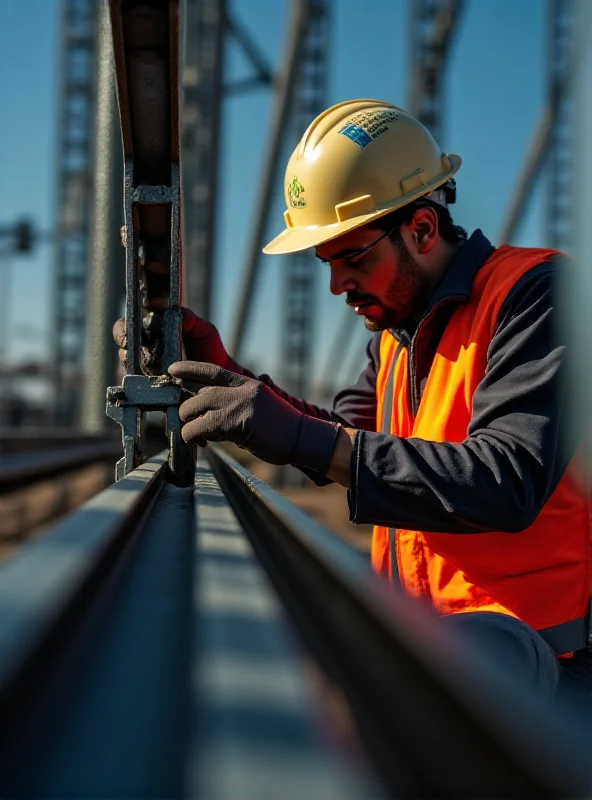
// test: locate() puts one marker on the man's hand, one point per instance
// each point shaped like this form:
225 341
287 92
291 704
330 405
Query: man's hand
235 408
201 340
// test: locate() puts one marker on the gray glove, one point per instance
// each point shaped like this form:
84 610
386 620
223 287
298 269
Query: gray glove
228 407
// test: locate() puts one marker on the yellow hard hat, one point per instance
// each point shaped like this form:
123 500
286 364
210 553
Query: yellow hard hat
356 162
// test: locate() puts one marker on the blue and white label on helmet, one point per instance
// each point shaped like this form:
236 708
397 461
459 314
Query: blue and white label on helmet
356 134
366 126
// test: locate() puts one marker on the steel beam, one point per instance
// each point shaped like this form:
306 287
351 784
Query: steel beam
263 72
73 204
284 91
202 76
560 164
27 469
559 81
433 25
217 642
301 269
106 280
576 284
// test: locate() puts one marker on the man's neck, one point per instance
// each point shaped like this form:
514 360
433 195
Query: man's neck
434 274
444 256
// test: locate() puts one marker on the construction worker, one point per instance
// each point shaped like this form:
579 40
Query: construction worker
455 441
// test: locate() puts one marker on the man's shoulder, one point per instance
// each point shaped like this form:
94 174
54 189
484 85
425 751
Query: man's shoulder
508 267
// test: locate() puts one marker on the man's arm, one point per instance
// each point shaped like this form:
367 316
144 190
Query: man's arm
231 404
519 441
354 406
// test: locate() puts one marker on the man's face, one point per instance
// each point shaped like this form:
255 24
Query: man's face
385 285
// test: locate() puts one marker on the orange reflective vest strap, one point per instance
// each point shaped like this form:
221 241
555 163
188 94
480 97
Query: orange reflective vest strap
393 359
385 427
531 575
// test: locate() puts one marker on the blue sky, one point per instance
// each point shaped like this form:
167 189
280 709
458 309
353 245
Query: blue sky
495 91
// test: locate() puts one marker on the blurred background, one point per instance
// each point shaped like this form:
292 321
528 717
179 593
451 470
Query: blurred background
504 83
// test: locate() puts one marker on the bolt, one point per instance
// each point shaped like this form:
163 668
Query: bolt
116 394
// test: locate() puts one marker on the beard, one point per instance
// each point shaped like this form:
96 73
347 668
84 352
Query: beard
406 295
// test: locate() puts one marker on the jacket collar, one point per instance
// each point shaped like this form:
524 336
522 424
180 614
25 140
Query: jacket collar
458 279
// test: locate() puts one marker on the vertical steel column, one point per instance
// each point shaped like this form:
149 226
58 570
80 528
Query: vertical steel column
310 98
202 86
73 203
577 283
566 49
433 23
106 280
284 88
582 140
560 175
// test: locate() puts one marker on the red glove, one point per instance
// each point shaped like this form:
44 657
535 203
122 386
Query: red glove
201 340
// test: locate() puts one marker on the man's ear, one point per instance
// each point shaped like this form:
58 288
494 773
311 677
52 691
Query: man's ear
424 229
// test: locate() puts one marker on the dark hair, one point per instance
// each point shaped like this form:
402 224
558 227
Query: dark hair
451 233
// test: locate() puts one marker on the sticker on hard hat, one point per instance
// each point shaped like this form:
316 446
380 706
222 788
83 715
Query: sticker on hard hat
295 189
357 135
367 126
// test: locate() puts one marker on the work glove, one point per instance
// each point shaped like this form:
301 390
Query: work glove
225 406
201 340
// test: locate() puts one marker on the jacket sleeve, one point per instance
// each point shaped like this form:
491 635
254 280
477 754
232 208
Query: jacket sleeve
353 407
518 442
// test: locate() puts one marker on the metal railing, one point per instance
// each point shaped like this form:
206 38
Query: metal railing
216 642
51 460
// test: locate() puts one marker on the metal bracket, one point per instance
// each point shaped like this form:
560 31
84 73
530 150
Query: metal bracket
125 405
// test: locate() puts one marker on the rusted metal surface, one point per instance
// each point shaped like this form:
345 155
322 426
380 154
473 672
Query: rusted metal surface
146 43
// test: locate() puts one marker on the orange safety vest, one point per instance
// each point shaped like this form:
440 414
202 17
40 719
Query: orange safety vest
541 575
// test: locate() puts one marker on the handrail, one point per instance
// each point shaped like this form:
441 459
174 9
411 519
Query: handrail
19 470
170 671
131 588
47 585
37 437
433 713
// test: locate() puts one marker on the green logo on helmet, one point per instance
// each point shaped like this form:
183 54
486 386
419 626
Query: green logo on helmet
295 189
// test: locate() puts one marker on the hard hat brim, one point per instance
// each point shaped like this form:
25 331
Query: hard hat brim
294 240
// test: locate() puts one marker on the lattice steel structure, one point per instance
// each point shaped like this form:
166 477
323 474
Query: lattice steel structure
209 25
432 24
559 211
309 99
202 88
73 203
